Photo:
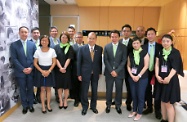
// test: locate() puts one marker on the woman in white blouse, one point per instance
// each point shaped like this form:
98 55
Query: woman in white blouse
45 61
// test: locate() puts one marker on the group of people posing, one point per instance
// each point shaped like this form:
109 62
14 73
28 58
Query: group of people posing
70 66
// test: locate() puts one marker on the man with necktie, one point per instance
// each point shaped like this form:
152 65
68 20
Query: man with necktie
115 57
54 41
35 34
152 48
76 84
127 41
22 52
89 68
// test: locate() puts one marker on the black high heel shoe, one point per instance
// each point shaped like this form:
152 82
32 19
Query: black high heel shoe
60 107
65 107
50 110
44 112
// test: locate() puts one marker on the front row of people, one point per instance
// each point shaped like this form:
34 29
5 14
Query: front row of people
89 69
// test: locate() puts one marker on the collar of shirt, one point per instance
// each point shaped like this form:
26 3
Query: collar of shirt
152 44
23 41
91 46
125 40
115 44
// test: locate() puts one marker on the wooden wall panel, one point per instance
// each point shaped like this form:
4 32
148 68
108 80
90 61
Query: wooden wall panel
174 16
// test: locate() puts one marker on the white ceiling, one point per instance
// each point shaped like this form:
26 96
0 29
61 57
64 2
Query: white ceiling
117 3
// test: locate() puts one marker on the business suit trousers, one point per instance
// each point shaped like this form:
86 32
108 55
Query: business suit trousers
129 97
149 94
26 90
138 94
118 93
76 88
84 93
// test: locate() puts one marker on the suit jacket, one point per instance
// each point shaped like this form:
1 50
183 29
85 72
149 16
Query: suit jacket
145 41
75 48
158 47
85 65
129 45
19 59
116 63
52 45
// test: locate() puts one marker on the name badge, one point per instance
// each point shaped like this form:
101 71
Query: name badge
134 70
164 68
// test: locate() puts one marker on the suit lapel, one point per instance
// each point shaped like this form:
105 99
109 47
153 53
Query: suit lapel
20 46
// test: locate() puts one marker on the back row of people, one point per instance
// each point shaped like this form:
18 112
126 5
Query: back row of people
123 59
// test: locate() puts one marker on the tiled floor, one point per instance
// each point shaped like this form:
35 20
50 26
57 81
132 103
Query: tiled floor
73 114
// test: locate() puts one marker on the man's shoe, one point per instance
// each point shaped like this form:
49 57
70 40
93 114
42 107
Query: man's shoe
84 112
147 111
107 110
158 115
118 109
113 103
129 108
76 104
31 109
94 110
35 101
24 111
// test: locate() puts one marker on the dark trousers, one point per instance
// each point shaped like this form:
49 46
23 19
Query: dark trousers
129 97
138 94
157 100
118 93
148 93
76 88
84 93
26 90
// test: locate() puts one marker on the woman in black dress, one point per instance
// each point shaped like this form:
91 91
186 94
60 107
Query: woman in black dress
63 70
168 66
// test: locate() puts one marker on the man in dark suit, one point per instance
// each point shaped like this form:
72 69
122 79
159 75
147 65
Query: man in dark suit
35 34
89 68
54 41
22 52
140 33
152 48
76 84
127 41
115 56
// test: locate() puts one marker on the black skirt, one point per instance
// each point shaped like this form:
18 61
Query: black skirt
40 81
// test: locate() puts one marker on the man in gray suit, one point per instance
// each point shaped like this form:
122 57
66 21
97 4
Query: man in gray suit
115 56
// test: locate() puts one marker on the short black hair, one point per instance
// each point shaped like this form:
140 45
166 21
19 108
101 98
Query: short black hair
151 29
127 26
167 36
44 36
115 31
23 27
53 27
136 39
35 28
71 27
